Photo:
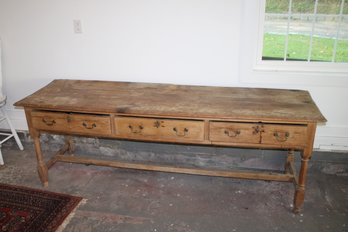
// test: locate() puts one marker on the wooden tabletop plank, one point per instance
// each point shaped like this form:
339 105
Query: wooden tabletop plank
175 100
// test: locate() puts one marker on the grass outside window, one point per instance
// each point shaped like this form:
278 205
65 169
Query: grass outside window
298 48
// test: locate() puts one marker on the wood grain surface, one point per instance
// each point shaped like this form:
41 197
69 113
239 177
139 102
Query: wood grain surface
175 100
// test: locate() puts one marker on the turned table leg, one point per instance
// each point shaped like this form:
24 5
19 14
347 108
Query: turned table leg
41 165
35 134
300 187
306 154
289 161
70 143
301 183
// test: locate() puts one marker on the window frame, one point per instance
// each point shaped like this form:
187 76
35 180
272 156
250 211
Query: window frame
290 66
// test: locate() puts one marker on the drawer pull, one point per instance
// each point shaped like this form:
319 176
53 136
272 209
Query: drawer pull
281 136
89 126
232 133
49 121
157 124
258 129
136 130
180 133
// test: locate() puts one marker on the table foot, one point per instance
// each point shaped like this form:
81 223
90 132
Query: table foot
298 199
43 174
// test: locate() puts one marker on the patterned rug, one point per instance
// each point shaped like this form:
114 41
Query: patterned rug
27 209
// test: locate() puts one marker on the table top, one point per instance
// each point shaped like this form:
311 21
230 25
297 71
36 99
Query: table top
169 100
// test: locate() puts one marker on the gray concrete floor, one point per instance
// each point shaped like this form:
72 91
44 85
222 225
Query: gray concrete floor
129 200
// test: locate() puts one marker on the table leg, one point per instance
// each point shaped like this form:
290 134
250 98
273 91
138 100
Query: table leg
70 142
41 165
300 187
306 154
289 160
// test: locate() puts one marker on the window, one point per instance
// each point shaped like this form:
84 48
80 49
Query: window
305 30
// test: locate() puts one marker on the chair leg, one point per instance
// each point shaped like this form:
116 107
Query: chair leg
1 159
13 131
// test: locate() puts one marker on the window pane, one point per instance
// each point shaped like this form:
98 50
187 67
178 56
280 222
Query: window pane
322 49
275 28
324 37
303 6
298 47
326 26
300 29
329 7
273 46
342 51
277 6
342 45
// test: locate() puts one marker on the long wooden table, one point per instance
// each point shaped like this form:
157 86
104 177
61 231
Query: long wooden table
218 116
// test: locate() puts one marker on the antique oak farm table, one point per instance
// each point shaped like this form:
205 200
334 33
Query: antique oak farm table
218 116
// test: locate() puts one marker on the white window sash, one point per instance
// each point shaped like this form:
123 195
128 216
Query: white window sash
290 66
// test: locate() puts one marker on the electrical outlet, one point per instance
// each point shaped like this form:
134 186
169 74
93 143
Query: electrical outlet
77 26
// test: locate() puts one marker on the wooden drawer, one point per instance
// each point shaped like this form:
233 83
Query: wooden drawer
90 124
234 132
49 121
163 129
284 135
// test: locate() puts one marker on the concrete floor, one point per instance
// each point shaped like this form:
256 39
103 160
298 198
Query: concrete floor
129 200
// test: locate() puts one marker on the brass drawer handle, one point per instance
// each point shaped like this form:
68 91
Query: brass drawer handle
136 129
181 133
89 126
281 136
49 121
232 133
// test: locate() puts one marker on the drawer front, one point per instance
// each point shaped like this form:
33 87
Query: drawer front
150 128
49 121
284 135
234 132
90 124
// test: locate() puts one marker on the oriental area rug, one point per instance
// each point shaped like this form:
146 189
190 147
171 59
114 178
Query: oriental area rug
27 209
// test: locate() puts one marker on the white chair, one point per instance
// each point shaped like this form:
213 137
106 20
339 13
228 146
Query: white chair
4 117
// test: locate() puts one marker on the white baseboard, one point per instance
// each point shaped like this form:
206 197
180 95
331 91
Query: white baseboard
328 138
331 138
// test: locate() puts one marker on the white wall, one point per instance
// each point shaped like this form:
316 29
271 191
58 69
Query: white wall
203 42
